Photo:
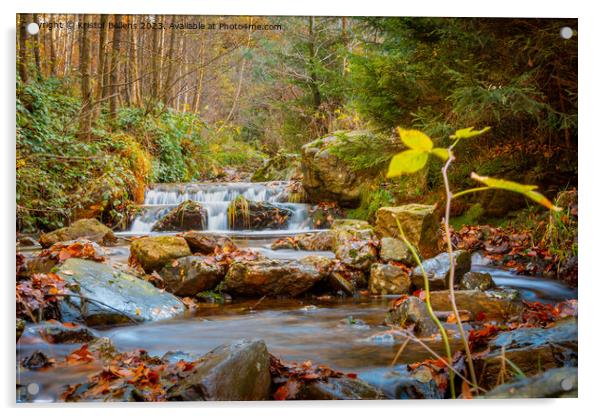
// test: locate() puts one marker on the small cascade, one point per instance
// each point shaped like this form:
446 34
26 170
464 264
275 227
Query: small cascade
216 198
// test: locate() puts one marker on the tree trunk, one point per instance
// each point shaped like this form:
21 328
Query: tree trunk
170 65
52 49
315 90
114 68
101 76
23 18
36 47
196 104
85 119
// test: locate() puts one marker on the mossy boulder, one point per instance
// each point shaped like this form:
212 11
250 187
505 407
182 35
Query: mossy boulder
189 215
190 275
249 215
281 167
106 296
152 253
327 177
387 279
419 223
90 229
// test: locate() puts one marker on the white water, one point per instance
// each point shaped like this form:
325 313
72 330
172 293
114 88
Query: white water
160 199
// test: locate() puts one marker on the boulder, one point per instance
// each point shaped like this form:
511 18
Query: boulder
492 304
89 229
554 383
394 249
202 243
327 177
437 270
239 371
106 296
412 311
190 275
270 278
281 167
532 350
189 215
152 253
249 215
339 388
320 241
355 243
387 279
419 223
476 281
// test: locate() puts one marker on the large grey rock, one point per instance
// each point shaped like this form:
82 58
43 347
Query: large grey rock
190 275
437 270
342 388
189 215
387 279
326 177
89 229
270 278
412 312
394 249
554 383
532 350
419 223
114 297
239 371
152 253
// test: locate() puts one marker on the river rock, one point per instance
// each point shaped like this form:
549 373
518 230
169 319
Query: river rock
491 304
152 253
114 297
394 249
320 241
90 229
270 278
355 243
412 311
190 275
189 215
387 279
202 243
326 177
476 281
322 215
437 269
239 371
419 223
250 215
532 350
26 241
401 383
554 383
339 388
59 333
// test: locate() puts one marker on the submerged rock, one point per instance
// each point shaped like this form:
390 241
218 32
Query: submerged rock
437 270
492 304
190 275
412 312
111 297
189 215
249 215
326 177
90 229
531 350
239 371
554 383
341 388
270 278
152 253
394 249
206 243
476 281
419 223
387 279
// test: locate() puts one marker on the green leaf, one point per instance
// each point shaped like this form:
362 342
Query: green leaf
526 190
442 154
468 132
415 139
409 161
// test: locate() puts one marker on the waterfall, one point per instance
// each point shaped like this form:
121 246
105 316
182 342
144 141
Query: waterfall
215 198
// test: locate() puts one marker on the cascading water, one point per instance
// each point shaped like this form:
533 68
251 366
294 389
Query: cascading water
216 198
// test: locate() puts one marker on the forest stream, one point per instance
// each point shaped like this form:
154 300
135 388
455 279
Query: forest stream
347 334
